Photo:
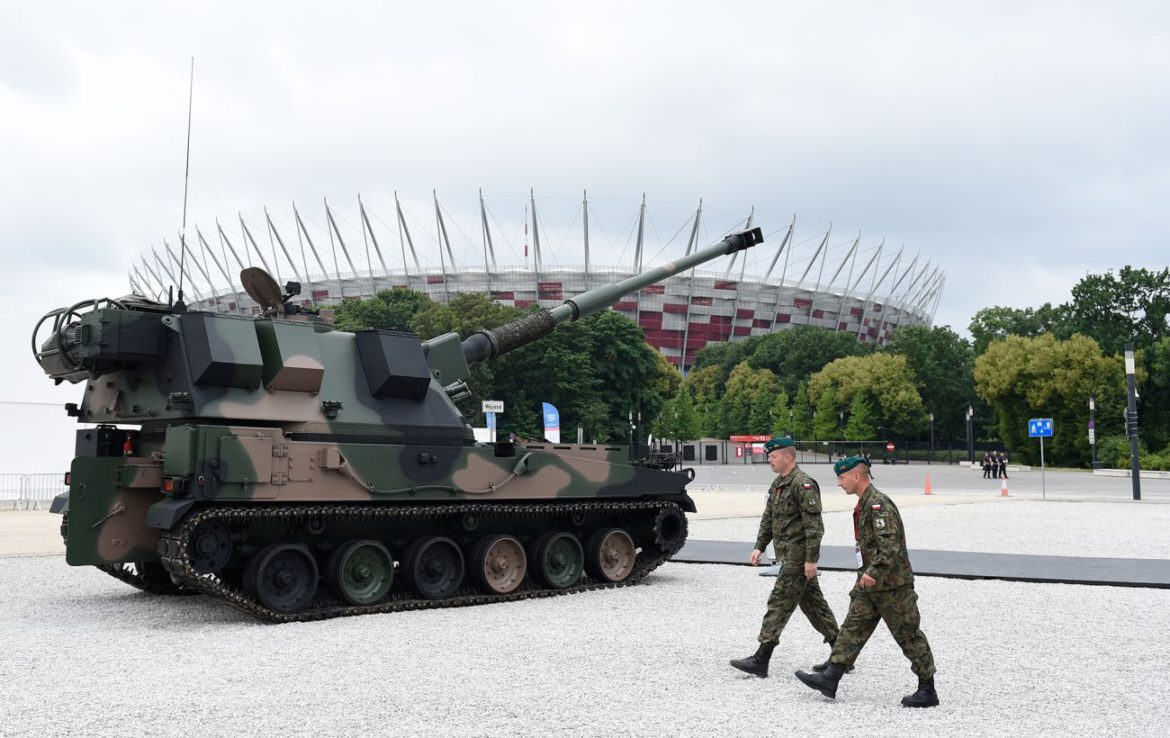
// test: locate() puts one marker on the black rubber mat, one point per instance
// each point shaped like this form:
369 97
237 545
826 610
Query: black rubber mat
967 565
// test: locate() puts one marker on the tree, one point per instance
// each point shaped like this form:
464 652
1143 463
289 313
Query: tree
795 354
861 423
706 388
942 364
392 309
886 378
1042 377
802 413
990 324
1130 307
737 402
763 391
686 419
825 421
781 415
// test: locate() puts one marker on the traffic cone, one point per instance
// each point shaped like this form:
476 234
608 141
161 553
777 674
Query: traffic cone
928 492
1003 488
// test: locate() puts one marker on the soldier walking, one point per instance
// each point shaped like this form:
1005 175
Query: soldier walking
792 522
884 591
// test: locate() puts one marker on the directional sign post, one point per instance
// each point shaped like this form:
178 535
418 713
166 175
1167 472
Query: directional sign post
1041 428
490 409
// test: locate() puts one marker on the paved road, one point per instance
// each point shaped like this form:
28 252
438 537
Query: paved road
954 479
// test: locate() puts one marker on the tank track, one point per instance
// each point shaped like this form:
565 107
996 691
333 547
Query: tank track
173 548
122 573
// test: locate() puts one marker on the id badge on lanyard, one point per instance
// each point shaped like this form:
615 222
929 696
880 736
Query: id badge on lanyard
857 553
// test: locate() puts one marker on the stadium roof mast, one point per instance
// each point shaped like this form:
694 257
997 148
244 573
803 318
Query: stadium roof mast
222 268
367 229
780 287
535 244
332 229
487 245
186 250
638 259
892 299
273 233
302 236
405 240
225 245
851 257
682 361
248 239
585 232
742 266
441 231
877 281
860 277
820 273
900 302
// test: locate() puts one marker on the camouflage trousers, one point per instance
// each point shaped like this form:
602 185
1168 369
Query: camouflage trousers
792 589
899 608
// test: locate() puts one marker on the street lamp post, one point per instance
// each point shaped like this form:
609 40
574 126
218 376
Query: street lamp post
1093 432
970 435
1131 422
930 459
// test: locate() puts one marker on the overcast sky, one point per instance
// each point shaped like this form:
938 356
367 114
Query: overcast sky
1018 145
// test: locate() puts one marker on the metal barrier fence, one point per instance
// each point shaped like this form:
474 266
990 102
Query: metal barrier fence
30 491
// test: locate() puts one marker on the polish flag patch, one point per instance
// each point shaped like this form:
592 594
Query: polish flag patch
877 507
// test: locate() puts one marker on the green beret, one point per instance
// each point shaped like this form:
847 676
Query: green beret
845 465
778 442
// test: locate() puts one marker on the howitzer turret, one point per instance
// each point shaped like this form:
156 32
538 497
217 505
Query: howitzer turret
252 459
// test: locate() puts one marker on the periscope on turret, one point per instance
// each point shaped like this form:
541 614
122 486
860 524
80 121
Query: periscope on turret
297 472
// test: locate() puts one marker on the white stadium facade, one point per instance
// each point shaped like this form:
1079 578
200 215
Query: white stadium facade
867 290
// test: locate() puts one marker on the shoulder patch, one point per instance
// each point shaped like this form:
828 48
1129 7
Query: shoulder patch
879 523
878 507
807 485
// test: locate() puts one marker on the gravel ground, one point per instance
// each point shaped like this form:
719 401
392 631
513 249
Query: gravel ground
1054 528
86 655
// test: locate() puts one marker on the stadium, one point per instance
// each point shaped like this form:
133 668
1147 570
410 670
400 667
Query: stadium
865 289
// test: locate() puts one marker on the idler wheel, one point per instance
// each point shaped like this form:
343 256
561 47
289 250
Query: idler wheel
557 560
155 576
612 555
210 546
498 564
434 567
670 529
283 577
361 572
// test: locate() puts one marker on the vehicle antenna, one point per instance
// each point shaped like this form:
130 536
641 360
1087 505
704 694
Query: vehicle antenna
186 178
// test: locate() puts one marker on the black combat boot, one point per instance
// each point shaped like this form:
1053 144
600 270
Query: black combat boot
757 663
824 682
924 697
825 665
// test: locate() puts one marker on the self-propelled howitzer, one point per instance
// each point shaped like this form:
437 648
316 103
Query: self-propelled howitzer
253 459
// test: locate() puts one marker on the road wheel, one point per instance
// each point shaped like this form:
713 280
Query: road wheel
361 572
611 555
498 564
557 559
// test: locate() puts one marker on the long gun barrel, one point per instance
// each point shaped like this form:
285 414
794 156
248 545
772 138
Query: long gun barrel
488 344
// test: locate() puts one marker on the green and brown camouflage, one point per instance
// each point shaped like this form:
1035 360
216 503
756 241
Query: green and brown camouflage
202 413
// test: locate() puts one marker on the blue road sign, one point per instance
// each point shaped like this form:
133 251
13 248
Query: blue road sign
1040 427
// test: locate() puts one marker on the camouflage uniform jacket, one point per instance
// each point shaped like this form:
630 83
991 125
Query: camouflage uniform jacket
878 528
792 518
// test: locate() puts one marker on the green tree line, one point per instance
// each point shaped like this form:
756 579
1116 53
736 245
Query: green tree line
815 383
595 370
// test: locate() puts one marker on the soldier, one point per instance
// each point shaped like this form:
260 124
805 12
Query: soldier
792 521
884 591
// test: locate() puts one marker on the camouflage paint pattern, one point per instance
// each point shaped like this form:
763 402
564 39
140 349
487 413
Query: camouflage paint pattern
892 598
282 408
792 524
792 588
